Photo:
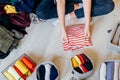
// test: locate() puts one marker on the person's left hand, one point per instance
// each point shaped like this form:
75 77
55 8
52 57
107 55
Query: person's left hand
87 31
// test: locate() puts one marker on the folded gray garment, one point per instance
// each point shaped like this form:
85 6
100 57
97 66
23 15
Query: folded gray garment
115 39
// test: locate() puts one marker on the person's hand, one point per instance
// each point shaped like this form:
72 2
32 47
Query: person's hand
64 36
87 31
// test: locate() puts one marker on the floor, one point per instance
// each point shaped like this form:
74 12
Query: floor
42 43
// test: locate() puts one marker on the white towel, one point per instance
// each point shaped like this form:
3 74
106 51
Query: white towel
116 71
47 72
13 72
103 72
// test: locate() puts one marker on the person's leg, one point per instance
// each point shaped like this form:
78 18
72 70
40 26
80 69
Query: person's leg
99 7
47 9
44 8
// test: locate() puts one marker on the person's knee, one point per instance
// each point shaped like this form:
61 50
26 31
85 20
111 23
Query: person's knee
110 6
40 14
60 1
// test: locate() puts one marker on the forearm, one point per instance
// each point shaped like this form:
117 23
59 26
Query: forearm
87 11
61 13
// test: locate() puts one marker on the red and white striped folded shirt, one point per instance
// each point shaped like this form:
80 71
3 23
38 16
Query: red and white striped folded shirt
76 38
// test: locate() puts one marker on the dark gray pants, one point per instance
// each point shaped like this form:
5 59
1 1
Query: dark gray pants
47 8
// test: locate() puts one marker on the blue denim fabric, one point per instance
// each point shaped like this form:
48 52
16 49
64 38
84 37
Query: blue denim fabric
24 5
47 8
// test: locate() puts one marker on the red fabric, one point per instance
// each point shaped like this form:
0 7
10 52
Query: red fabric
81 58
19 72
28 63
76 38
84 68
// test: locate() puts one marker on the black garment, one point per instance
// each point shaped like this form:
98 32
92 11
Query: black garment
41 73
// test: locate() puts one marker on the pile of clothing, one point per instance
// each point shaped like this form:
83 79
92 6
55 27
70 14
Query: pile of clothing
15 15
20 70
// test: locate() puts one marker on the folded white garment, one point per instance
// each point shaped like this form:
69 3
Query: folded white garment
116 71
13 72
47 70
103 72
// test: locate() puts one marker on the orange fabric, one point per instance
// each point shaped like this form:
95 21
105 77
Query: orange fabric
19 72
28 63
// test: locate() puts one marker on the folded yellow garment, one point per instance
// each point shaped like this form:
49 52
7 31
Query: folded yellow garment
75 63
10 9
22 67
8 75
78 60
14 73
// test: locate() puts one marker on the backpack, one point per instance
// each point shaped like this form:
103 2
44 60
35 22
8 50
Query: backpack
7 42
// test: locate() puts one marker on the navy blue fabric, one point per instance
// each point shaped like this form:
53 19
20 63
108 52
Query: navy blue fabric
47 8
40 73
24 5
53 73
4 1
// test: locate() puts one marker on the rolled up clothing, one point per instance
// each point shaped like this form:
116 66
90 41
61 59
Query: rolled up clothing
110 70
22 67
85 58
8 75
28 63
78 70
81 58
116 71
74 63
19 72
103 72
78 60
13 72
